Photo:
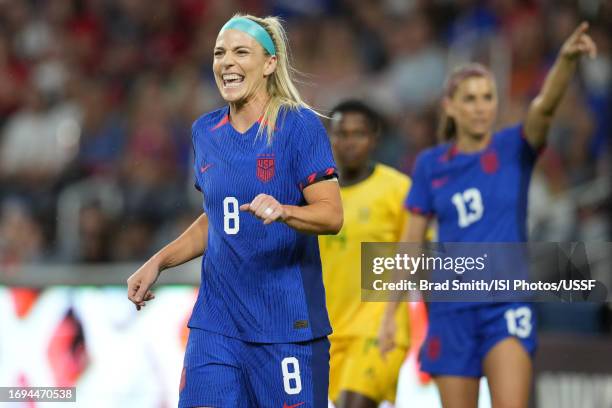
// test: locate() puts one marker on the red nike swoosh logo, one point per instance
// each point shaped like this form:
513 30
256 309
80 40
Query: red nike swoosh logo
437 183
292 406
203 169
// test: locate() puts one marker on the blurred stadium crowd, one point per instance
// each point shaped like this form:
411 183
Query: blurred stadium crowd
97 98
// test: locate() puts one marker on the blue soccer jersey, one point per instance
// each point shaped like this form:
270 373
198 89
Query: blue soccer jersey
475 197
260 283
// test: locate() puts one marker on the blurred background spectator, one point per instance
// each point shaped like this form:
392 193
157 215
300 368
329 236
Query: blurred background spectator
21 238
103 92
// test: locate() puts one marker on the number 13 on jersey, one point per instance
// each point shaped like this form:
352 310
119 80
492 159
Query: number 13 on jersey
469 206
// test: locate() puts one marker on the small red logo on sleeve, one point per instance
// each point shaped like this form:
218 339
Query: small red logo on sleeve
265 167
312 178
292 406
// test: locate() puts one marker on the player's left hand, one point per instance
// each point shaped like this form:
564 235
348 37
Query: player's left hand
266 208
579 43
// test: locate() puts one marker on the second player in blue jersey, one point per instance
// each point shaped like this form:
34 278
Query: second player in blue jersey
475 185
264 164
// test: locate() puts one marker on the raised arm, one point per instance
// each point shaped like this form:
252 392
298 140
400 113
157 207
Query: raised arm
543 107
189 245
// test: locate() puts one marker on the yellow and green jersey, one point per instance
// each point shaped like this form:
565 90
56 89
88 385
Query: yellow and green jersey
373 212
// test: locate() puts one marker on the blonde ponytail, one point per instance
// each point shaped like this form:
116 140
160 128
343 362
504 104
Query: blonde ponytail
280 86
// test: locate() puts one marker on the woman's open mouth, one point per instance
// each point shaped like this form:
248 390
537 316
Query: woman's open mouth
232 80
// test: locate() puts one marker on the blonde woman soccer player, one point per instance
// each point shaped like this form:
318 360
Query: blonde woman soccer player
259 327
476 186
373 196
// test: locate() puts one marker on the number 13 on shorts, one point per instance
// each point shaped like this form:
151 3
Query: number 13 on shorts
292 382
519 321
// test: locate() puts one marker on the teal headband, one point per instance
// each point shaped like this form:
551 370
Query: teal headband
253 29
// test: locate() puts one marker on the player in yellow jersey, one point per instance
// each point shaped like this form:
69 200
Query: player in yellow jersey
372 196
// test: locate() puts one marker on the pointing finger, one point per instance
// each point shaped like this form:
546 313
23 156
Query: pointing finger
255 203
582 28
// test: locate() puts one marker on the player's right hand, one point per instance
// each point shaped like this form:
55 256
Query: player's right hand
139 284
386 334
266 208
579 43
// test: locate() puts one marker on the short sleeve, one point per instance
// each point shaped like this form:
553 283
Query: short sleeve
512 140
313 158
419 199
196 182
196 160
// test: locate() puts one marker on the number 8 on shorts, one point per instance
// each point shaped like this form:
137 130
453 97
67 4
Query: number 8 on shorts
292 382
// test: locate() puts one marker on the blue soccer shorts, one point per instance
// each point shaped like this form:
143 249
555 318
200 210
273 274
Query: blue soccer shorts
225 372
458 340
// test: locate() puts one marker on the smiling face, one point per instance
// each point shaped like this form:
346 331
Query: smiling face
473 106
241 67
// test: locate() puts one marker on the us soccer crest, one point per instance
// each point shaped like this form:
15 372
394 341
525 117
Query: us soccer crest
265 167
